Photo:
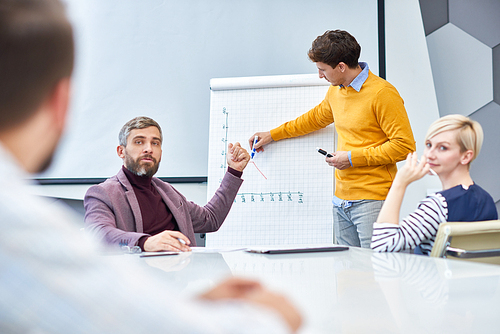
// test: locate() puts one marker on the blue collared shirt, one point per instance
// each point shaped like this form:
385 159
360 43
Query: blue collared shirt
358 81
356 84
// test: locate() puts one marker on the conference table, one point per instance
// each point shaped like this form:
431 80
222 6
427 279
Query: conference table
357 290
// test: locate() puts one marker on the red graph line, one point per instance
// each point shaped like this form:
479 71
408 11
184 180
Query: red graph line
258 169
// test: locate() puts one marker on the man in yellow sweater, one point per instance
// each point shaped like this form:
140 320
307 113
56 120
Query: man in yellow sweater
373 134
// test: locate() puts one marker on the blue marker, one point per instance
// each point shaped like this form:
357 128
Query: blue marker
253 147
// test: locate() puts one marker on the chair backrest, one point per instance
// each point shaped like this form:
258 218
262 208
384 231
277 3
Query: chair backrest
479 240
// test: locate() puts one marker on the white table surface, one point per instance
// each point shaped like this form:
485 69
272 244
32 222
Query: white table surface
357 291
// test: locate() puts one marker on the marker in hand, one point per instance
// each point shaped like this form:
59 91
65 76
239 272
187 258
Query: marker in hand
183 243
324 152
254 150
430 170
255 140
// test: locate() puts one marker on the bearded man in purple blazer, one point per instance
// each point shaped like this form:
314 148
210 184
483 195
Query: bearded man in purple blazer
133 208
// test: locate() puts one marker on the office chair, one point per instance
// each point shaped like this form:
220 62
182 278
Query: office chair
474 241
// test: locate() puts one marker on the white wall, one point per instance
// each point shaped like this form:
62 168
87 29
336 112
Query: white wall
409 70
156 58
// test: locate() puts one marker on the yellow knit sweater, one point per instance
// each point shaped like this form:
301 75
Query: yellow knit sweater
372 124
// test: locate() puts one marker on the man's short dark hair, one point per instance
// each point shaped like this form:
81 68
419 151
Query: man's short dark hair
335 46
36 52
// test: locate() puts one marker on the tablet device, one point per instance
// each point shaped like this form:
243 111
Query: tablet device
334 248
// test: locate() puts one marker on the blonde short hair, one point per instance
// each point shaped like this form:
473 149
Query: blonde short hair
469 135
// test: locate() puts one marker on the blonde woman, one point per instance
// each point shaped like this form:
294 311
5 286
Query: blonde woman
451 144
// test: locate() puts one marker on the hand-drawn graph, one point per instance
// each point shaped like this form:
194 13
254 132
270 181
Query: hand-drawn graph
293 205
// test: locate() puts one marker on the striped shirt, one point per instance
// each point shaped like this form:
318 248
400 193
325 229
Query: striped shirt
420 227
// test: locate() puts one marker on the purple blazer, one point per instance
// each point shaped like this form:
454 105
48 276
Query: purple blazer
112 211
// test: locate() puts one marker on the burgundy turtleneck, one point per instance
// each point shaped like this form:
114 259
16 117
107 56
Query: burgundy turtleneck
156 216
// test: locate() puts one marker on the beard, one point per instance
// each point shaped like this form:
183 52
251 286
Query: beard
139 168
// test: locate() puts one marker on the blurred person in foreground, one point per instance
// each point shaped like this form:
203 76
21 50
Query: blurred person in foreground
52 280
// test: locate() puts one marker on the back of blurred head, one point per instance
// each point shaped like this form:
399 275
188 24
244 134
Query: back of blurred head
36 62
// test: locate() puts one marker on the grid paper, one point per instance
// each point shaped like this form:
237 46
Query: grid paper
293 206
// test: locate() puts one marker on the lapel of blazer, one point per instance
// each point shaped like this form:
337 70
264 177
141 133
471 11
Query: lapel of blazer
132 201
173 206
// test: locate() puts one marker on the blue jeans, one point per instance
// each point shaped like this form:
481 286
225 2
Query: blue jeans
353 221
